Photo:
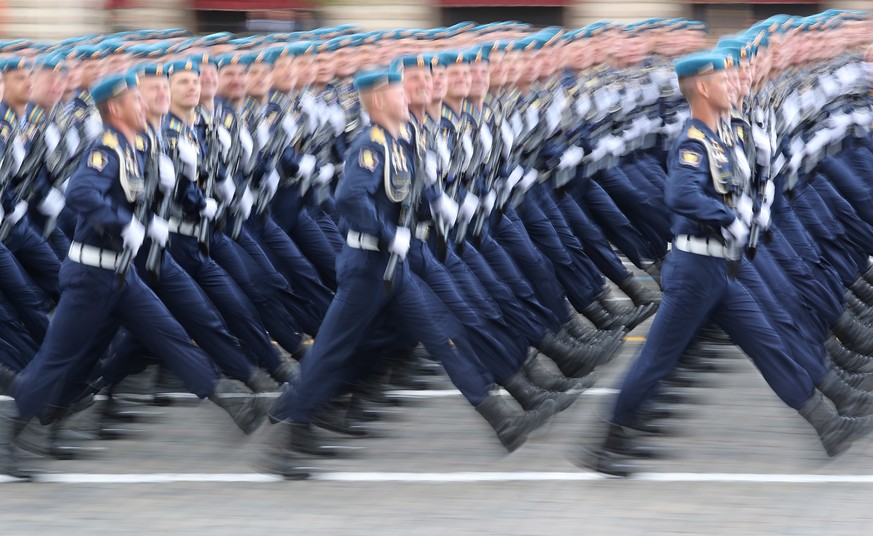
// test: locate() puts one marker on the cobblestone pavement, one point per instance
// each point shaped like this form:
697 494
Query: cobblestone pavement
735 428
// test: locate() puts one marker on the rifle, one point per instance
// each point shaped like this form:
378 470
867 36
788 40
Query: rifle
491 168
66 168
452 176
143 205
407 210
8 159
213 146
26 178
156 251
273 151
471 173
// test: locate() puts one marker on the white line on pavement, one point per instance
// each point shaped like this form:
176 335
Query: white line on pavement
469 477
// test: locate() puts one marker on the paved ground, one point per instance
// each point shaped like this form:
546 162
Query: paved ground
741 464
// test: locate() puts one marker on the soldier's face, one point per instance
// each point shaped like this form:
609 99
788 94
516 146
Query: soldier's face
155 92
496 71
304 70
48 87
232 82
259 80
90 71
478 80
208 81
438 86
74 78
458 81
719 96
19 84
130 110
394 101
118 63
283 75
185 90
323 69
417 84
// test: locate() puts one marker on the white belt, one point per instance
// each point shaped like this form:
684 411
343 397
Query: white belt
183 227
422 230
362 241
94 256
700 246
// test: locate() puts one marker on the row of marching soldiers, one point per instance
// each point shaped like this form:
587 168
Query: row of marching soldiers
463 188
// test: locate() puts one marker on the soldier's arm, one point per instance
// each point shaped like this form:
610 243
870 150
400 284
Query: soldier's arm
89 192
689 172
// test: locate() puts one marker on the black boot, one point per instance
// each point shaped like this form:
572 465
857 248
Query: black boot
10 427
261 382
542 377
847 359
638 293
7 376
835 432
853 334
601 318
513 427
577 328
860 381
335 417
277 458
613 305
849 402
863 290
531 397
613 457
868 275
654 270
302 439
576 361
861 310
246 409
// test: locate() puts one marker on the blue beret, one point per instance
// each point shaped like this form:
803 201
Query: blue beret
479 54
151 69
112 46
234 58
435 60
14 64
265 57
112 86
88 52
216 38
14 45
699 63
183 66
403 62
301 48
51 62
453 57
369 79
203 58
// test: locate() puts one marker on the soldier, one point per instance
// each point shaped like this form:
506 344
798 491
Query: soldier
700 172
99 290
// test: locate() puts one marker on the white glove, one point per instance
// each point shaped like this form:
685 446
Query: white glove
488 202
745 209
532 116
430 168
210 209
18 153
571 157
247 144
442 149
93 127
468 208
743 168
400 244
2 213
159 231
444 209
337 120
53 203
246 202
762 146
307 104
188 158
736 231
166 174
325 174
133 235
271 183
306 166
763 217
71 141
508 138
467 145
262 134
227 188
52 137
289 126
19 212
224 140
528 180
514 177
486 139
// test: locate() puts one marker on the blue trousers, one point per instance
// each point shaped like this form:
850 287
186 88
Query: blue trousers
697 290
